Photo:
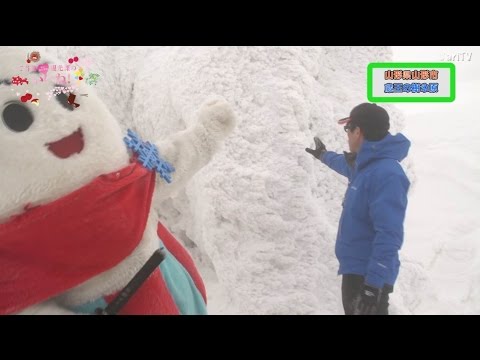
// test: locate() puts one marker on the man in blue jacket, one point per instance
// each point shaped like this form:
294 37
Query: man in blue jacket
370 232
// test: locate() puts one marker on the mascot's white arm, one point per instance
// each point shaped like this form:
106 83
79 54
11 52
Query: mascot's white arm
189 150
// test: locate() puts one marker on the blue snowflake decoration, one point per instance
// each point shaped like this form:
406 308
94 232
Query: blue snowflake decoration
149 156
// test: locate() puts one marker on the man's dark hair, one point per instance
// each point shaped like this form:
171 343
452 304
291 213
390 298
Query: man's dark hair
372 119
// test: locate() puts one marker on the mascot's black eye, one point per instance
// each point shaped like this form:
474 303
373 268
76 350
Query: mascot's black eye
17 117
63 100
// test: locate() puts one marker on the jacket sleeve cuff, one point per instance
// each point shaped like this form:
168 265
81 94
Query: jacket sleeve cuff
325 157
375 281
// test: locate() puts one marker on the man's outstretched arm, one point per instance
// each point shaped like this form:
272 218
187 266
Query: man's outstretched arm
341 163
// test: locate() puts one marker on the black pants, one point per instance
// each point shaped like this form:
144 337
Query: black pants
351 288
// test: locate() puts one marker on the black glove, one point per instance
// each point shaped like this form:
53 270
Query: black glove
319 149
350 157
367 301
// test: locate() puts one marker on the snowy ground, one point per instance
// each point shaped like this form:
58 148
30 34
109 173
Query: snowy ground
442 225
261 219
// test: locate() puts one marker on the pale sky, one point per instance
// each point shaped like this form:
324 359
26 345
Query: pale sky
467 75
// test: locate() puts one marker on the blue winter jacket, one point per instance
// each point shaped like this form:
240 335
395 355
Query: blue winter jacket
370 231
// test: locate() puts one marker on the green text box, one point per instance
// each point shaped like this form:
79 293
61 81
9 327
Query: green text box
407 66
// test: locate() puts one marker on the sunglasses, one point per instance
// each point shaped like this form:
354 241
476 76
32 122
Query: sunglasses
349 127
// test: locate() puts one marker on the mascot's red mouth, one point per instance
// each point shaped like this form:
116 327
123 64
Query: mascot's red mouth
67 146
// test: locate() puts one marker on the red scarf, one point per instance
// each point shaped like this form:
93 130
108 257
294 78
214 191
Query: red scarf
55 247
